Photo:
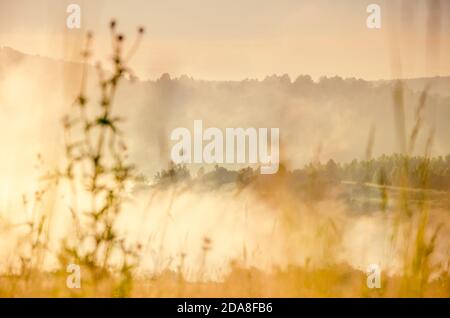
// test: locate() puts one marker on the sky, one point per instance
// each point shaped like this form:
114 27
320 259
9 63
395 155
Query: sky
234 40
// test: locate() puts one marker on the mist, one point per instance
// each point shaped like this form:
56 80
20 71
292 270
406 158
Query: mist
330 118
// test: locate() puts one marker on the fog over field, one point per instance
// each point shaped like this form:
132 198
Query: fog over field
331 118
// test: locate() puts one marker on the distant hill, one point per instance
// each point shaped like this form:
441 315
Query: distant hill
330 118
439 85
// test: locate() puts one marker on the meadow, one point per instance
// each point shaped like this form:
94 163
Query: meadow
309 232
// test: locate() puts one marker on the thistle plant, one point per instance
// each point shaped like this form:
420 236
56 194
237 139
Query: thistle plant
96 163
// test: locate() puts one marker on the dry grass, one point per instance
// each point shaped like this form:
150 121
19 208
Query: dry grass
335 281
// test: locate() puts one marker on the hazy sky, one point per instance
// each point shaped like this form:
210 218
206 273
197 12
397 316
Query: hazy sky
218 39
